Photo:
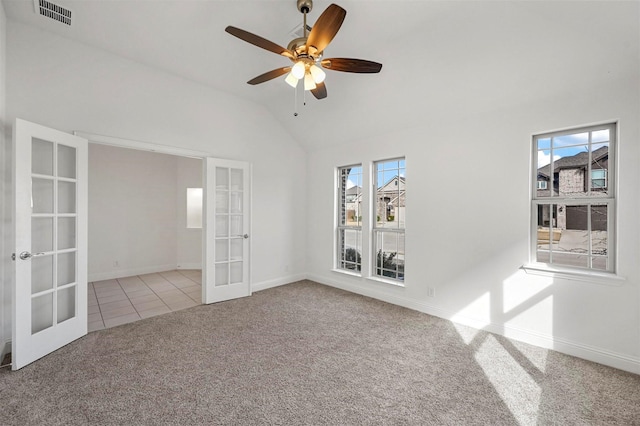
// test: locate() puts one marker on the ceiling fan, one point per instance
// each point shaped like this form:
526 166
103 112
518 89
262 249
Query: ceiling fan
306 52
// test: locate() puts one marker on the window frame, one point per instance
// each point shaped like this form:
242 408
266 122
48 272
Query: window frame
342 227
591 198
376 272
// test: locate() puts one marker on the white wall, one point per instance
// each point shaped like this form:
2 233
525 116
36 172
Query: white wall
468 209
132 216
189 240
5 185
70 86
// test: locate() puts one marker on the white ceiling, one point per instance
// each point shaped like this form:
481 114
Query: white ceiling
439 57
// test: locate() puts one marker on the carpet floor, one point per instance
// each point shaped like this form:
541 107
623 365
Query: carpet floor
308 354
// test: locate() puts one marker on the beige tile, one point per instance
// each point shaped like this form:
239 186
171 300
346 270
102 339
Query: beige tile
183 282
162 287
138 292
94 317
106 284
145 306
118 312
94 326
94 309
143 298
169 294
121 320
155 311
113 298
176 306
92 301
106 307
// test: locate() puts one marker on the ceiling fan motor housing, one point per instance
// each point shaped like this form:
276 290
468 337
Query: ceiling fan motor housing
305 6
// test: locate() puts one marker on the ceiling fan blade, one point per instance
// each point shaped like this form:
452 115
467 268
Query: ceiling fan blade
326 27
351 65
259 41
320 92
270 75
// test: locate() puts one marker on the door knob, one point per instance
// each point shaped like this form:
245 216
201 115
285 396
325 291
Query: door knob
246 236
26 255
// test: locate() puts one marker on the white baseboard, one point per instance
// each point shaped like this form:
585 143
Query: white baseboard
120 273
590 353
189 266
263 285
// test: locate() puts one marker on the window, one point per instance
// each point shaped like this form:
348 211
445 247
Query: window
573 220
388 219
194 207
349 230
599 179
542 184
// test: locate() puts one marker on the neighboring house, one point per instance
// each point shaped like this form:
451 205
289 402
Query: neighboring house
353 201
390 202
570 177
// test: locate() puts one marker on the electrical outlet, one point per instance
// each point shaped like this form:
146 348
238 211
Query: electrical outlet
431 292
116 263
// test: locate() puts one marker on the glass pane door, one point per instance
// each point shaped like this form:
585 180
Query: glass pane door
229 226
53 234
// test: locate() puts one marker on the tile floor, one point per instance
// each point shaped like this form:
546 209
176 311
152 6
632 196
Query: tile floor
123 300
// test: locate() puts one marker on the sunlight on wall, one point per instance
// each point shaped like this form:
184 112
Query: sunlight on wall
517 389
530 300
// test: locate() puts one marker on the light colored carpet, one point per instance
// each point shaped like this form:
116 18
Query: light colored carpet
307 354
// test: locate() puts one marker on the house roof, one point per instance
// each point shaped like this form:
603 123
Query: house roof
575 161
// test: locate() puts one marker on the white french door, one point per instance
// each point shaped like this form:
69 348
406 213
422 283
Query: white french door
226 246
50 288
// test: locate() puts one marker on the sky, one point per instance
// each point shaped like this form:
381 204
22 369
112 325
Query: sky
569 145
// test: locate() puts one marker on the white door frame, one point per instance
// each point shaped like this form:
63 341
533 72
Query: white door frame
171 150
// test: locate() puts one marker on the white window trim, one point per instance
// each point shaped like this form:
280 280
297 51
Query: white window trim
339 226
610 277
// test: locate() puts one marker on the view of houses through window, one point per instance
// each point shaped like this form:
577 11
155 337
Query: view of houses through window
573 199
387 218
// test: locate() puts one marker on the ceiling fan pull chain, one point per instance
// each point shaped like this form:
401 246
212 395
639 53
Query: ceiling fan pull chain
295 101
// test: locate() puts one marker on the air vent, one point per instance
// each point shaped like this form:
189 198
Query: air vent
53 11
298 31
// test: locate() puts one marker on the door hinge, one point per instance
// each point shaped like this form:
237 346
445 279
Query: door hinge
13 256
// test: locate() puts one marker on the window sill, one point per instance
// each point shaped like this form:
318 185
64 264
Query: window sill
605 278
345 272
386 281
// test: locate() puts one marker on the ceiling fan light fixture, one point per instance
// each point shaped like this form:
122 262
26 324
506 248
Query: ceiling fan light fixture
309 84
292 80
298 70
317 74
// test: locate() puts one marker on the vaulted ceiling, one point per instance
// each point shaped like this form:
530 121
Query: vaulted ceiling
439 57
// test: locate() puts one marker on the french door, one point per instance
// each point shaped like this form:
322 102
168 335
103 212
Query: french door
227 213
50 259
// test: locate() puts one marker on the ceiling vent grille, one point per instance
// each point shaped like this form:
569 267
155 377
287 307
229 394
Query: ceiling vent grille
298 31
53 11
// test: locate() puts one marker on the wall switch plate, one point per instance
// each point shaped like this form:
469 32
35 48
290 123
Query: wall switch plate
431 292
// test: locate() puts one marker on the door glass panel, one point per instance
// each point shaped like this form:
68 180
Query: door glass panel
66 303
222 251
235 272
41 312
66 233
236 179
41 195
222 202
66 161
222 274
41 273
41 157
41 234
236 225
222 178
236 249
236 202
66 197
222 226
66 268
